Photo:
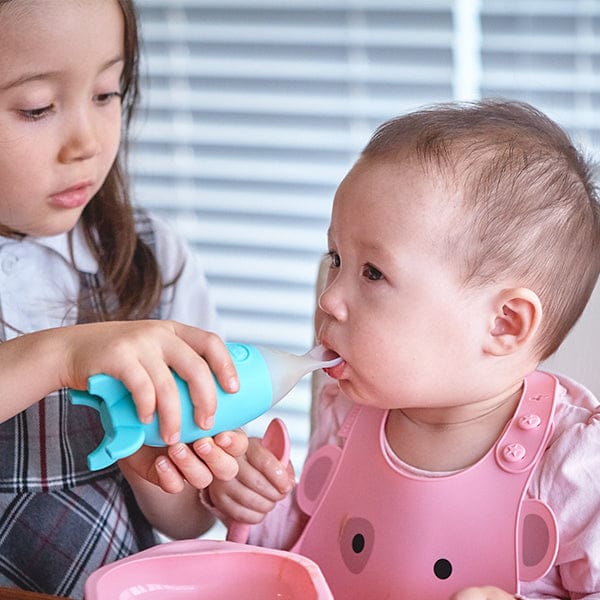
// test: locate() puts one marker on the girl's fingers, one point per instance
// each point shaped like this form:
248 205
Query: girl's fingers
234 443
221 464
138 381
214 351
199 465
141 354
203 393
169 479
196 371
195 472
168 402
193 369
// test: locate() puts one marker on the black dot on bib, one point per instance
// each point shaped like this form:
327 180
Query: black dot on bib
442 568
358 543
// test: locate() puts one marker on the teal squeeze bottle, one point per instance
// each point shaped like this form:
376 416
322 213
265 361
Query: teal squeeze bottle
266 376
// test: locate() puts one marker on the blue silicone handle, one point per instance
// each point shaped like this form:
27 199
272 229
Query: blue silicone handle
125 433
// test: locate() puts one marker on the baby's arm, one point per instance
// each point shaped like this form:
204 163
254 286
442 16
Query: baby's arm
483 593
261 491
261 482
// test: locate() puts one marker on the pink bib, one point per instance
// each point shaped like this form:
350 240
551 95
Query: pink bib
377 531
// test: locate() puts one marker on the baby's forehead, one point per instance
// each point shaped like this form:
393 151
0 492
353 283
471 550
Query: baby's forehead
387 200
405 180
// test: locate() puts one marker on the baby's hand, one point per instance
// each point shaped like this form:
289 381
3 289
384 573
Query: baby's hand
482 593
261 482
200 463
140 353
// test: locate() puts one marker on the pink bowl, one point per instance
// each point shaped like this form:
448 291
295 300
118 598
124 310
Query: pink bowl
209 570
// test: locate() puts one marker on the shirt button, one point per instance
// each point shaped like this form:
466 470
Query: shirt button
9 263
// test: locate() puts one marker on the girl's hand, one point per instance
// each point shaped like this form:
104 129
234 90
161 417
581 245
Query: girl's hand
482 593
199 464
261 482
140 353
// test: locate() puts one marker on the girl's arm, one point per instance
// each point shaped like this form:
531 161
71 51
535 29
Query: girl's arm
139 353
180 515
30 369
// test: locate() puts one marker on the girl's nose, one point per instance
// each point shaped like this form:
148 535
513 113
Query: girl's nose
81 141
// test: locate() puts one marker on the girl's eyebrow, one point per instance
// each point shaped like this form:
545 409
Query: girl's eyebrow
27 78
44 75
113 61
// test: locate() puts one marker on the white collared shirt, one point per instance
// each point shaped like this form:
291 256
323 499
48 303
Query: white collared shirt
39 284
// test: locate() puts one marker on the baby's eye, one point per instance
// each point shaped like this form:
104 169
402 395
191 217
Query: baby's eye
372 273
34 114
334 259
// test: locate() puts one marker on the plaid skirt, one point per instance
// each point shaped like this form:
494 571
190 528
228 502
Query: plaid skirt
50 542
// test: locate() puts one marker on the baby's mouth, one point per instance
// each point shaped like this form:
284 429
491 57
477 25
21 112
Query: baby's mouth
336 371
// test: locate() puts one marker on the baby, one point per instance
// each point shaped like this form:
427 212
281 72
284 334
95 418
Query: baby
463 246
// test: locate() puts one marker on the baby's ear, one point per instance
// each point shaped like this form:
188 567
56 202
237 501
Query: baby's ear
516 320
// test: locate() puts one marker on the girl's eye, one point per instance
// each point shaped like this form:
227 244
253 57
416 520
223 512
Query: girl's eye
106 98
335 260
34 114
371 273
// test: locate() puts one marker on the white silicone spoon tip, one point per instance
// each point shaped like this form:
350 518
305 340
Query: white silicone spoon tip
285 369
323 357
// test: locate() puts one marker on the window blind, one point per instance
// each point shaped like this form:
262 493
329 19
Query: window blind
546 53
252 114
253 111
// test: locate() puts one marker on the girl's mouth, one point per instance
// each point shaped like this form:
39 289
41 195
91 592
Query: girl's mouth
73 197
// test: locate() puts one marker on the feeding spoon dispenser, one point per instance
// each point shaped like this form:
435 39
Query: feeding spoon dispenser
266 376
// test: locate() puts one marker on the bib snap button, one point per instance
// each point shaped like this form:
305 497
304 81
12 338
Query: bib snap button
529 421
513 452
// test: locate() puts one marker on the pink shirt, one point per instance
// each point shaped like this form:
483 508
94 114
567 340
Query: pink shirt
567 479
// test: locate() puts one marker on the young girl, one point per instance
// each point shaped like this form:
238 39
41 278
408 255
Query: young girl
464 244
79 270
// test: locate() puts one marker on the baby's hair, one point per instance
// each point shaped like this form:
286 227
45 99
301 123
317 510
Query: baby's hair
531 214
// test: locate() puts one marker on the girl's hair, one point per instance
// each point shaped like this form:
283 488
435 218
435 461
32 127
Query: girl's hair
130 282
131 275
530 207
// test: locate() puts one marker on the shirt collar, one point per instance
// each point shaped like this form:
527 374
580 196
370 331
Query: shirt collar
83 258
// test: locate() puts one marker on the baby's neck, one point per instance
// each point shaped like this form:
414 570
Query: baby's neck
449 439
